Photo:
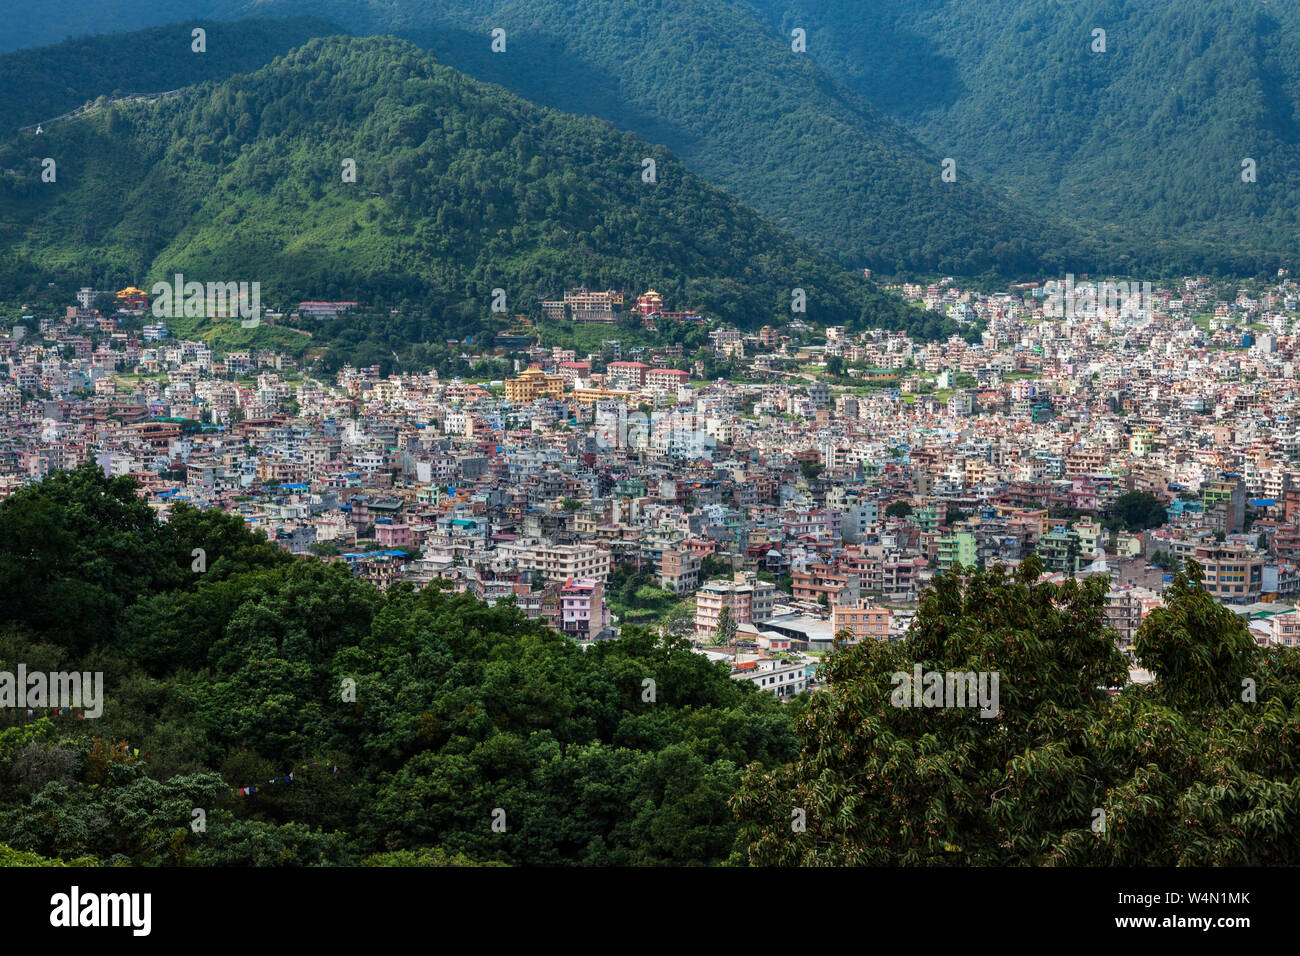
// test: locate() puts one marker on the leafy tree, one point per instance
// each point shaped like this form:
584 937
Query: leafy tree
898 509
1198 768
726 630
1138 510
712 566
404 717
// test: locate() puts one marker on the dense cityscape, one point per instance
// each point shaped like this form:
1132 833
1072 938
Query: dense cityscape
734 440
817 494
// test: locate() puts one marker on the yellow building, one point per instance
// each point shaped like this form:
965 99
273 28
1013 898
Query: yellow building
589 396
532 384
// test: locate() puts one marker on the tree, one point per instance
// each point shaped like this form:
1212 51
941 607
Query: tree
1072 555
711 566
75 549
899 509
726 630
105 303
679 622
1138 510
1195 769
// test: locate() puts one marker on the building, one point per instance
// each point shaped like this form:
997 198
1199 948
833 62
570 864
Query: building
559 562
958 548
580 305
133 299
826 584
679 571
583 614
1224 502
781 678
630 375
666 379
1234 574
863 620
324 310
751 601
532 384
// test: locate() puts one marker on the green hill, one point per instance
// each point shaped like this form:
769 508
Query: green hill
461 188
713 83
37 85
1145 139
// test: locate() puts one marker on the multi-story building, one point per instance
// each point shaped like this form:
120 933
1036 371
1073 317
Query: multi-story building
532 384
1234 574
780 678
559 562
863 620
1224 502
583 614
751 602
957 548
679 570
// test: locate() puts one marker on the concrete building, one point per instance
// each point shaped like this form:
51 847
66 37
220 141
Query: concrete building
781 678
532 384
1234 574
751 602
863 620
583 613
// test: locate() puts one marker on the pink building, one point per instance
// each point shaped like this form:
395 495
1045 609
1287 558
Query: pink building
626 374
392 535
583 614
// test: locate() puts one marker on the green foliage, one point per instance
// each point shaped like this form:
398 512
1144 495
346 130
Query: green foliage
1137 511
234 677
766 125
1127 161
38 85
461 188
1141 146
712 566
78 548
11 857
1197 769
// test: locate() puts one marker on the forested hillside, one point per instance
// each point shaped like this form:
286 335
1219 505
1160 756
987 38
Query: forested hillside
37 85
1146 138
235 678
460 189
715 85
1068 159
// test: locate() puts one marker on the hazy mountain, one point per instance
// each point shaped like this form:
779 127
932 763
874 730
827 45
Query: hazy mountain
1147 137
723 91
36 85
